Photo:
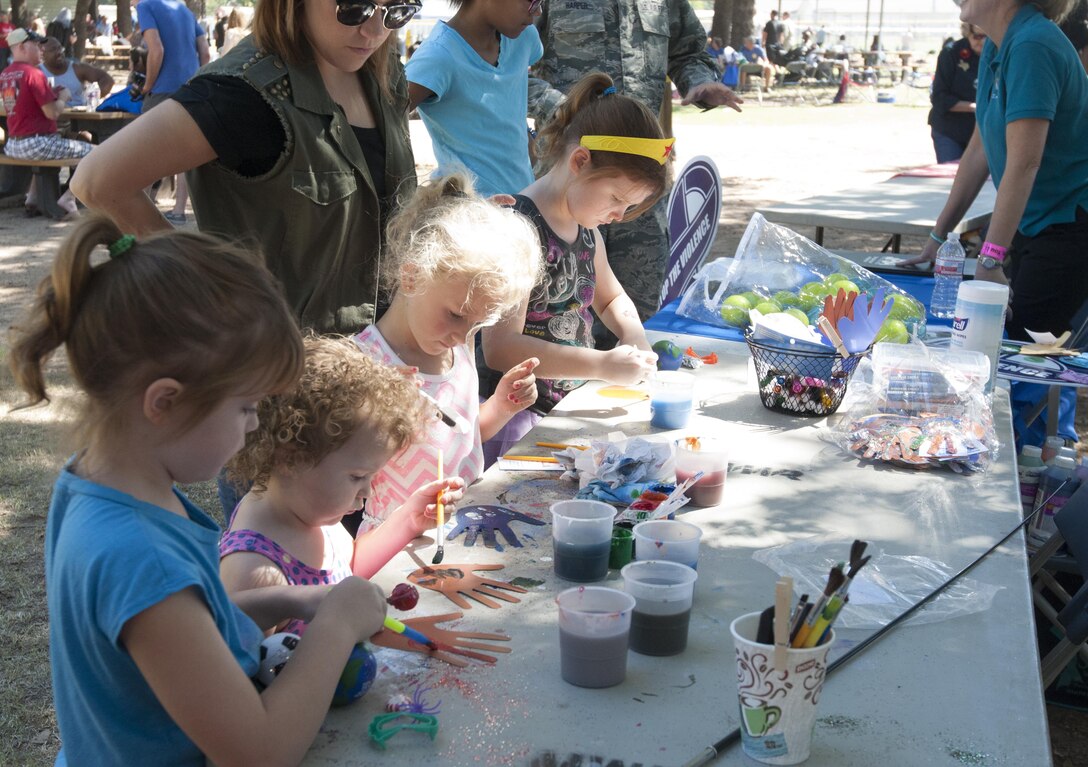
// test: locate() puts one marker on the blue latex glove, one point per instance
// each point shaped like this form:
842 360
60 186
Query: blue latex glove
474 520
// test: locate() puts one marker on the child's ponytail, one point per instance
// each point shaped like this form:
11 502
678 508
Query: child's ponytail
179 305
552 137
49 322
593 107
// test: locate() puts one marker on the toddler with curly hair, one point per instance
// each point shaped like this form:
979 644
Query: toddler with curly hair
311 460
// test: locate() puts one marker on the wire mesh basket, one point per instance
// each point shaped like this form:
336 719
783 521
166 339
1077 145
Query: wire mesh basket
801 382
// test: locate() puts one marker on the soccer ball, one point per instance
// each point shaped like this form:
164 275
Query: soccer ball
275 652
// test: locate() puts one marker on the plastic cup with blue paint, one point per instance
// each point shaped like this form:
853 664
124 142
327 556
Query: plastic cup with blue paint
582 539
671 395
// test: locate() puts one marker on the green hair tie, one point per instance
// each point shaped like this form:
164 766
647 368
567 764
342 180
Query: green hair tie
122 245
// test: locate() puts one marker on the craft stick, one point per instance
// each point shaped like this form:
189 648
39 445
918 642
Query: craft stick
541 458
783 591
832 335
561 446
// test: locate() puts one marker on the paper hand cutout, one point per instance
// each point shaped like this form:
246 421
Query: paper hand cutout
457 581
474 520
452 647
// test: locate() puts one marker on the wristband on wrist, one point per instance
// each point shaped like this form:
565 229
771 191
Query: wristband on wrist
996 252
937 238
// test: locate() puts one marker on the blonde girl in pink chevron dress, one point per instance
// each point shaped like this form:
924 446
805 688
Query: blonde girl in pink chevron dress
456 263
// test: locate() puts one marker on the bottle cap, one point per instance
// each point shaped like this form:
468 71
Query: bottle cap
952 237
1068 452
1065 462
1032 451
982 292
1055 442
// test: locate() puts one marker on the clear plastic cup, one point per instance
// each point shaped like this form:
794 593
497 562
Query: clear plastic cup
671 394
668 539
594 624
581 539
663 592
695 454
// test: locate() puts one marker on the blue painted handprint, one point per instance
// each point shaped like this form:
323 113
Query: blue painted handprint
474 520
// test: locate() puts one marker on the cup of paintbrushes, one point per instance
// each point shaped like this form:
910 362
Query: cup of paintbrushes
777 705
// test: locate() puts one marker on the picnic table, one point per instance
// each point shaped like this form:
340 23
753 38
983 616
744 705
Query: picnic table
933 694
903 205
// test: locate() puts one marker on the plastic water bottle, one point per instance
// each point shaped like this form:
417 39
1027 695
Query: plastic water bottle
947 276
1029 466
1052 496
980 321
94 96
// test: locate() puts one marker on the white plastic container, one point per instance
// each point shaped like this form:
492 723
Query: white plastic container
980 321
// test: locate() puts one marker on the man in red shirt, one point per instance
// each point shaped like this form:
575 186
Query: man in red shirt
5 27
32 107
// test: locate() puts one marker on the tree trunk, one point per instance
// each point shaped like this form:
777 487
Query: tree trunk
79 26
744 11
723 19
124 17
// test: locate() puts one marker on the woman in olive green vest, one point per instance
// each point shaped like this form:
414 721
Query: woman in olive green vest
296 141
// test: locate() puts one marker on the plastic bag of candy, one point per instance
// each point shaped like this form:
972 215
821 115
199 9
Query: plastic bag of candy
920 408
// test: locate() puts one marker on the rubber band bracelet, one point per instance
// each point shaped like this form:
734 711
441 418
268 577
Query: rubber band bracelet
937 238
996 252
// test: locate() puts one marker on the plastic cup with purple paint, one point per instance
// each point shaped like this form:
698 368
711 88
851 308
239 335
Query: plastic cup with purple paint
594 626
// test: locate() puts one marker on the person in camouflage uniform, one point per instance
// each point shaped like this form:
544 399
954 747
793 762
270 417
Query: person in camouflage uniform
637 43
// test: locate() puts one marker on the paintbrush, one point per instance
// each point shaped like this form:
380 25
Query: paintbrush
440 513
857 551
835 579
399 628
454 421
831 613
783 591
798 615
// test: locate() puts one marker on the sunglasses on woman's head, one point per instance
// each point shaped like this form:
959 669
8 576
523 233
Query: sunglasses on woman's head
534 5
352 13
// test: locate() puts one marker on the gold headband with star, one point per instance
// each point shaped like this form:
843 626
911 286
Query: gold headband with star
654 148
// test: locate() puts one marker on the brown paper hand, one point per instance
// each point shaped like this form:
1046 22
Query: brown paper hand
458 581
451 644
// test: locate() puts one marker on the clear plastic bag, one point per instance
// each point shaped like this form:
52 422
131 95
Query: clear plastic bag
920 408
884 589
779 265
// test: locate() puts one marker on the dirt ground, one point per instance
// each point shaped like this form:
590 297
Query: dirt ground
776 151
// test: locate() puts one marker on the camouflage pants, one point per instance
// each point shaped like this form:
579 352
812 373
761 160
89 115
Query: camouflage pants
638 252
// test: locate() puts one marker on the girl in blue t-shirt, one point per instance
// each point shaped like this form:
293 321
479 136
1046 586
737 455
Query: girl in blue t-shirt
607 161
172 340
469 81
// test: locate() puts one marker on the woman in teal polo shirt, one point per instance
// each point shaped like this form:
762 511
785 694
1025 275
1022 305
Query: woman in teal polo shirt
1032 120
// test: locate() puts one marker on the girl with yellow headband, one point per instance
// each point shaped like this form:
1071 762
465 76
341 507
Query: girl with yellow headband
605 160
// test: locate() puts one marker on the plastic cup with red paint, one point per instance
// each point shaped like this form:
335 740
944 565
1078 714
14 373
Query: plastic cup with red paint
710 456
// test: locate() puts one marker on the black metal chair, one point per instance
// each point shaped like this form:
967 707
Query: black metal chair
1070 616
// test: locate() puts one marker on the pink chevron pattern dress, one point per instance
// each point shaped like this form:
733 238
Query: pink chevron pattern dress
458 391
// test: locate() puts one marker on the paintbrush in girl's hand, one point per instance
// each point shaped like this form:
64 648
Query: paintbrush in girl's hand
440 513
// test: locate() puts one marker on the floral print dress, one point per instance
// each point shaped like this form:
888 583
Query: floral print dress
559 307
